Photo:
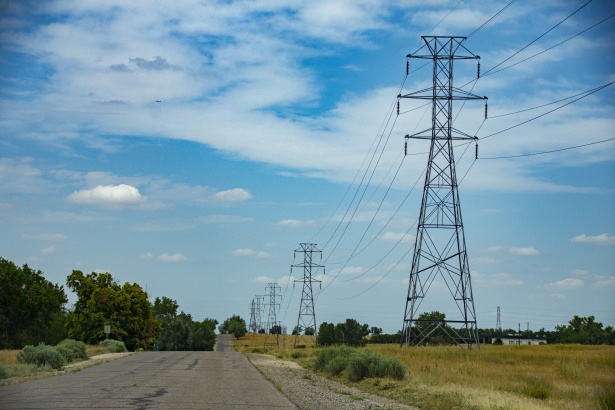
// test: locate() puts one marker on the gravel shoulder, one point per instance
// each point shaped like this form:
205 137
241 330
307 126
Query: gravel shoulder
311 391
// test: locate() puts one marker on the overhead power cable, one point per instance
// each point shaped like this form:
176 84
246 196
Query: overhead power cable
551 151
537 38
492 18
586 94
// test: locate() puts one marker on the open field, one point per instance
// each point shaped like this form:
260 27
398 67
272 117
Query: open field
497 377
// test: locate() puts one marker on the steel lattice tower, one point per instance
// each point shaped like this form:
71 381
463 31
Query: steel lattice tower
272 321
307 315
498 323
440 247
253 326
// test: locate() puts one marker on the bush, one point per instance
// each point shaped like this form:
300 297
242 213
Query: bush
76 348
337 365
330 353
114 346
368 364
5 372
295 354
42 355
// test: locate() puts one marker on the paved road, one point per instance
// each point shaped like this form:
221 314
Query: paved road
153 380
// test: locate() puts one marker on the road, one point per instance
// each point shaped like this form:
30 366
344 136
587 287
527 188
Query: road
154 380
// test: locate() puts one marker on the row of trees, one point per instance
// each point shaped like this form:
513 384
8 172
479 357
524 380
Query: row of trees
350 333
33 310
580 330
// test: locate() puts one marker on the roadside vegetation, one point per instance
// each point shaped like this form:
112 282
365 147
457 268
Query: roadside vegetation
449 377
33 360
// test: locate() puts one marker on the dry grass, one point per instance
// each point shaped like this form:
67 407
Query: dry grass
497 377
8 357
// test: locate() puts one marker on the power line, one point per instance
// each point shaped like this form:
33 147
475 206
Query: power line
537 38
492 17
586 94
551 151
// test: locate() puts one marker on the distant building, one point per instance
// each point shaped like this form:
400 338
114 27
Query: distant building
514 340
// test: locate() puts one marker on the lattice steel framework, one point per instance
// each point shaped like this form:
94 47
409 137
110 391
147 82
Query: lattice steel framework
253 327
307 314
440 247
273 326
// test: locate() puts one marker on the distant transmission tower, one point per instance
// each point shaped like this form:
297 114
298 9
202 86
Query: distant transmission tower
307 315
273 327
259 312
253 326
498 324
440 247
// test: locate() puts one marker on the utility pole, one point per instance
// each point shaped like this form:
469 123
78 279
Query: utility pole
440 247
272 321
307 315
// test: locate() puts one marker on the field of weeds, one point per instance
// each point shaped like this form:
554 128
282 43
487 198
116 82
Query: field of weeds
506 377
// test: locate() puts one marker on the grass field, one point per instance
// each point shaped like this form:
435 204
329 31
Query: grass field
496 377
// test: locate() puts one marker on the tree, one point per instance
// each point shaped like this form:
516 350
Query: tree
585 330
234 325
375 331
326 334
31 307
309 331
349 333
165 308
181 332
432 329
100 301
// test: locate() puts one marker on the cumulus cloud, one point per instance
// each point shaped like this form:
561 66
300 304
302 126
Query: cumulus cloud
176 257
45 236
396 237
49 250
251 253
499 279
603 239
233 195
108 195
290 223
529 251
568 283
495 249
263 279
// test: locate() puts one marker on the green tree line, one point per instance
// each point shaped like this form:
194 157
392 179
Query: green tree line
33 310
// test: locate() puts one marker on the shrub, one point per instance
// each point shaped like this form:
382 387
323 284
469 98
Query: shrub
337 365
295 354
41 355
330 353
537 388
76 348
114 346
368 364
5 372
66 352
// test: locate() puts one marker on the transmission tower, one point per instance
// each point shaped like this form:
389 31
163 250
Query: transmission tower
273 327
307 315
440 247
253 325
498 324
259 312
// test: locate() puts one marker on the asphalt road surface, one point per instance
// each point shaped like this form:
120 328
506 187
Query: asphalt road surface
154 380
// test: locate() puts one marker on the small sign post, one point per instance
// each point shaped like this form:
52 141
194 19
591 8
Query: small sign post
107 331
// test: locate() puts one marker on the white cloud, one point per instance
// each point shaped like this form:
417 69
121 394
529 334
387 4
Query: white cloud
396 237
483 260
233 195
263 279
496 249
45 236
349 270
498 279
603 239
174 258
108 195
251 253
580 272
49 250
605 283
529 251
568 283
146 256
291 223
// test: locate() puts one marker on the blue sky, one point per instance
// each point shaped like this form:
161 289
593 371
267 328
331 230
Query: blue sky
191 147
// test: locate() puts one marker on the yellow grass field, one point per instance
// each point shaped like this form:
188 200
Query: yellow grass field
496 377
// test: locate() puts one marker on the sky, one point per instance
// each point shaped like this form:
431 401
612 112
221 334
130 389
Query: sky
192 146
